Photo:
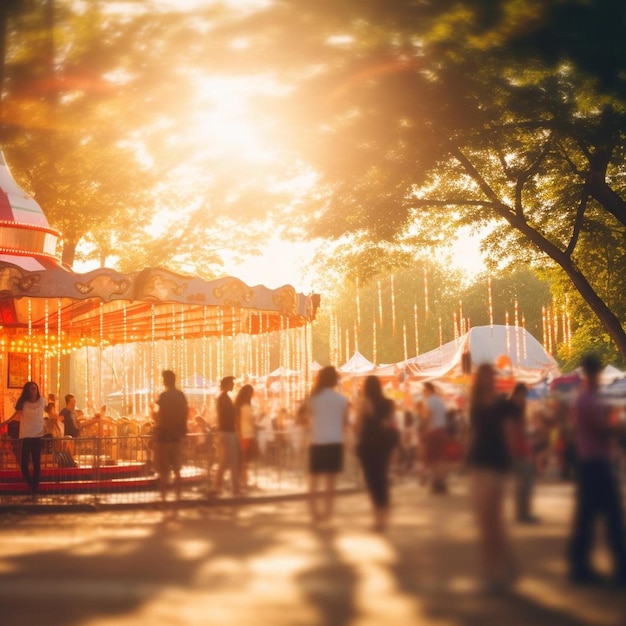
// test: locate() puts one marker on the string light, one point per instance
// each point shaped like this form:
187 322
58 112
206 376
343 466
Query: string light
393 307
490 307
30 339
417 340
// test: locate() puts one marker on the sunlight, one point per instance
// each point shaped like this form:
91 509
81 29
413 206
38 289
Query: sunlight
465 253
281 263
223 122
182 6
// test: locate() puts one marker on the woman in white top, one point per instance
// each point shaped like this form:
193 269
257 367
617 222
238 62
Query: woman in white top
328 410
246 429
29 410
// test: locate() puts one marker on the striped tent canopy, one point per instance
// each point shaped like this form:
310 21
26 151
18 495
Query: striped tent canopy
26 238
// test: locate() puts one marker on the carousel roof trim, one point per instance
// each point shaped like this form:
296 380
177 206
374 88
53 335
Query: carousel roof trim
44 306
115 307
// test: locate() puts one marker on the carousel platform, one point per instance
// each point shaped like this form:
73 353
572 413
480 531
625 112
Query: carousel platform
104 476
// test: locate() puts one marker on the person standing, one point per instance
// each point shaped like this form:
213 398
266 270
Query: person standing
246 429
228 450
376 439
523 464
29 410
328 411
597 486
436 436
490 458
169 432
71 427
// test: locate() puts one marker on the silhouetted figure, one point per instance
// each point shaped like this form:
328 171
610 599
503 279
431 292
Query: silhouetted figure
169 432
597 486
490 458
436 437
246 429
523 464
228 451
376 439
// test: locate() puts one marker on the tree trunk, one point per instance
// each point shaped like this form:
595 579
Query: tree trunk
69 252
610 322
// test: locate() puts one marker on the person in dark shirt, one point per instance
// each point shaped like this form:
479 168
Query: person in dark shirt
228 447
71 427
523 466
490 458
169 432
377 438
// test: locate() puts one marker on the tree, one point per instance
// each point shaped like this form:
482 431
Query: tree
95 127
435 131
60 124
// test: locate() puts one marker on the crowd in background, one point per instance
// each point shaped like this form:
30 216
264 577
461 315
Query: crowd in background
492 435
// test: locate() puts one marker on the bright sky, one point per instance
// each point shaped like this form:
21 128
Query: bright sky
287 263
282 263
226 124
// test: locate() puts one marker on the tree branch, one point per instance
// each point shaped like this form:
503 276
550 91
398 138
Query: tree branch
578 222
524 176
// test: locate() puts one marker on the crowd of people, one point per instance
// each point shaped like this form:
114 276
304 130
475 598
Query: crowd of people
498 446
492 440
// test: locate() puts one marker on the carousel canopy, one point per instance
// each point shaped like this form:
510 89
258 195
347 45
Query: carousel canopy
26 238
46 307
104 307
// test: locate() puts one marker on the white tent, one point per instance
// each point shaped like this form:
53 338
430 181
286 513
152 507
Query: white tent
611 374
356 364
283 372
510 348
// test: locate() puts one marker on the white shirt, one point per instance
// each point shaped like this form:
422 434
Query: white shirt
436 412
31 421
328 413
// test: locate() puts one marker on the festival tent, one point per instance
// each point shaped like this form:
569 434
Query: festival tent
196 381
611 374
616 390
610 377
357 364
511 349
283 372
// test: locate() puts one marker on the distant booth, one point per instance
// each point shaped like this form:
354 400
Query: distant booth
105 336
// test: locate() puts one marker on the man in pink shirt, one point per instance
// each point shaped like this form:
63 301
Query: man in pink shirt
598 492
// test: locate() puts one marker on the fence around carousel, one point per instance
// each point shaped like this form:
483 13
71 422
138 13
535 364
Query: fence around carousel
120 469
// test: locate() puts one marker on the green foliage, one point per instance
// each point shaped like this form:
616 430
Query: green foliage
415 118
379 317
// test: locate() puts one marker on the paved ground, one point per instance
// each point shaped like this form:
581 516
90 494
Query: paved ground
264 563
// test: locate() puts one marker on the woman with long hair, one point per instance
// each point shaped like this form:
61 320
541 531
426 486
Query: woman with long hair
328 411
246 428
490 459
376 439
29 410
523 465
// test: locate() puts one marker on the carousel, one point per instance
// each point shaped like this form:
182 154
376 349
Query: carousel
104 332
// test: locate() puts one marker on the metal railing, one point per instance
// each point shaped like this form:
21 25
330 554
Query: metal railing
120 469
